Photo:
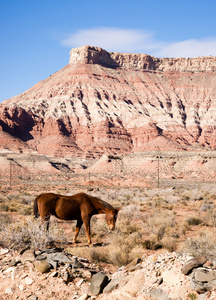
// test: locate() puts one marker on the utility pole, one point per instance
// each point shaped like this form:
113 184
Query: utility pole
10 166
158 168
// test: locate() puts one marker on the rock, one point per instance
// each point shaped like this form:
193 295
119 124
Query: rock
83 297
21 287
32 297
206 207
98 282
112 285
42 266
28 255
204 275
131 266
80 282
4 251
172 277
193 263
203 280
8 291
60 257
77 264
28 280
119 295
14 263
54 274
202 296
41 257
135 283
157 294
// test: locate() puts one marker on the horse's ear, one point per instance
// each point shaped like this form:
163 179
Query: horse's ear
117 210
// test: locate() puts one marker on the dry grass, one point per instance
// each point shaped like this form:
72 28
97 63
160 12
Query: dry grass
149 219
27 234
203 244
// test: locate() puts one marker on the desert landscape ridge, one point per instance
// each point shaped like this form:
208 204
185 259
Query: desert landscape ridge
114 103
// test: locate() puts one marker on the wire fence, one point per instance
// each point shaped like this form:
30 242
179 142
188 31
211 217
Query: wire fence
158 169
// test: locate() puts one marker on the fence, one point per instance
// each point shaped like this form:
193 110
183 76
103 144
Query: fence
156 169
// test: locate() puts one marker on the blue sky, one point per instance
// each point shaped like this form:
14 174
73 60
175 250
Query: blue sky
36 36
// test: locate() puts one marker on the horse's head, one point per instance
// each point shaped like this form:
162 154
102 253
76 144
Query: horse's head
111 218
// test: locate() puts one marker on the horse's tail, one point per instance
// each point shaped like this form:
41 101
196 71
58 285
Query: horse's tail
35 207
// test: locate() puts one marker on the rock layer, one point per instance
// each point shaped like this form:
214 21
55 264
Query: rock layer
115 103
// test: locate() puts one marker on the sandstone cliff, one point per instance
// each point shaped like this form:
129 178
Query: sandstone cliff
115 103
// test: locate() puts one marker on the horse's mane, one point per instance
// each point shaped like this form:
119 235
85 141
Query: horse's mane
98 200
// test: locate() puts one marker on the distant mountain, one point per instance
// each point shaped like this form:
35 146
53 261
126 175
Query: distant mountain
114 103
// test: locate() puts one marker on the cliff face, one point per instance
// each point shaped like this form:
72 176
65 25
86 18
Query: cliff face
115 103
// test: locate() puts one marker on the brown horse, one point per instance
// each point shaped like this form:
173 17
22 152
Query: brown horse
80 207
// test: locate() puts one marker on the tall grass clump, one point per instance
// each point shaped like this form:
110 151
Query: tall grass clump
204 244
27 234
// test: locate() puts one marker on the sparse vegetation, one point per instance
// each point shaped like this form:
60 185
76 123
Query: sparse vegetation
27 234
203 244
149 219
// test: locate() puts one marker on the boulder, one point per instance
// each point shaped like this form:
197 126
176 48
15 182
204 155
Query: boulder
99 281
156 294
194 262
42 266
203 280
135 283
28 255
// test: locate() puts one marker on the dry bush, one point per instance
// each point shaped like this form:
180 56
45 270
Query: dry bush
99 228
160 222
98 255
16 203
169 243
5 220
204 244
191 221
4 207
211 217
28 233
122 251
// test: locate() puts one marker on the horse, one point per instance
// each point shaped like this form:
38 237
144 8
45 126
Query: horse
80 207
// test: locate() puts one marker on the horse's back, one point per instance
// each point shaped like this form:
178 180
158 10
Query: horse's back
65 207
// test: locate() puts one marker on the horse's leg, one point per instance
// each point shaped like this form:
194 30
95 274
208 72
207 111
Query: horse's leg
45 221
77 230
86 223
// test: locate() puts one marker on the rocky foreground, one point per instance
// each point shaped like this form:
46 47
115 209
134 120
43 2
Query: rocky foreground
55 274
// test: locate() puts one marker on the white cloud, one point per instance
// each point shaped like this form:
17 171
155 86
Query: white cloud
134 40
112 39
189 48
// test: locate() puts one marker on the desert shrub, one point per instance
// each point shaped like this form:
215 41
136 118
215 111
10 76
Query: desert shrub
192 296
98 228
5 219
122 251
194 221
16 203
204 244
4 207
212 217
169 243
28 233
98 256
184 227
160 222
130 220
151 242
